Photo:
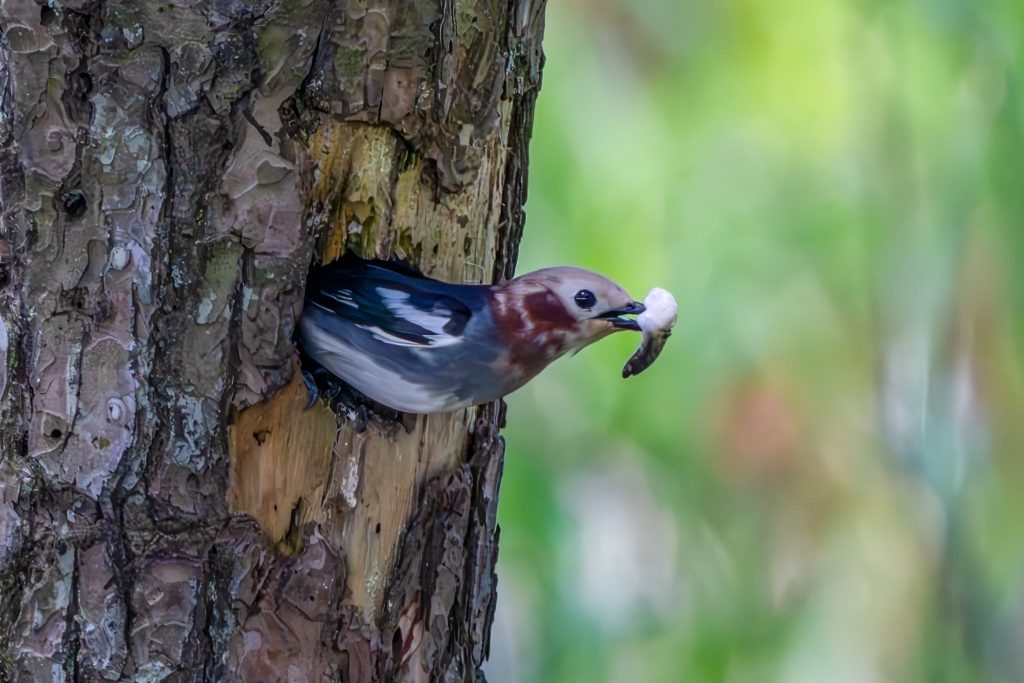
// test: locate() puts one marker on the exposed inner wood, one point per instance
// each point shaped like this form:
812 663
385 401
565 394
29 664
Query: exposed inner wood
281 456
287 467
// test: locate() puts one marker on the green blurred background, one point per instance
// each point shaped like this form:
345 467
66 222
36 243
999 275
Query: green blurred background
822 478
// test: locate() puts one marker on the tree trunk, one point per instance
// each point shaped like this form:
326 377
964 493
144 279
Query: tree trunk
168 170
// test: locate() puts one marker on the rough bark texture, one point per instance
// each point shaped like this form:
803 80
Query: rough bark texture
167 172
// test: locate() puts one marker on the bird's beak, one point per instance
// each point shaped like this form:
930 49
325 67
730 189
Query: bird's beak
612 316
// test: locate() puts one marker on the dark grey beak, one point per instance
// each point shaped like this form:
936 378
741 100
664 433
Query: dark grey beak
634 308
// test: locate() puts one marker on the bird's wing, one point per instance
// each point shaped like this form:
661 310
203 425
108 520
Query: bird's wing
393 307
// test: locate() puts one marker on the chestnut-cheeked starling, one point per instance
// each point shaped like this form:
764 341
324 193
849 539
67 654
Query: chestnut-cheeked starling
419 345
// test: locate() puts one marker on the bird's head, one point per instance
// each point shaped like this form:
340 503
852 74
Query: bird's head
593 301
567 308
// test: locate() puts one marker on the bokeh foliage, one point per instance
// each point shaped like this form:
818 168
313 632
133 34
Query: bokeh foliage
822 478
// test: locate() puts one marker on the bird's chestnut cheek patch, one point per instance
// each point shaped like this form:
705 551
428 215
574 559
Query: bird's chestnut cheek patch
547 312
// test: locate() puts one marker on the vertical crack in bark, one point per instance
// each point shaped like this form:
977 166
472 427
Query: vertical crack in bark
234 361
122 560
77 379
487 464
72 633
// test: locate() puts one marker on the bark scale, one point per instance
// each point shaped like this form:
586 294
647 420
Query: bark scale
167 172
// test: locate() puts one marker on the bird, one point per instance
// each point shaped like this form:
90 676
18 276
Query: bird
420 345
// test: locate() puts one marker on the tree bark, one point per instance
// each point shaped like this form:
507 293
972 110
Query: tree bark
168 171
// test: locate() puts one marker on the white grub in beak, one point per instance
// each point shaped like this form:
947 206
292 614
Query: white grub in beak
656 322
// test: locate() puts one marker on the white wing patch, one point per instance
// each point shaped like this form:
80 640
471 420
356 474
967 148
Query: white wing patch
433 321
389 338
342 296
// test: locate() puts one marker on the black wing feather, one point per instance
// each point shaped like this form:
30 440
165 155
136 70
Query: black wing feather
351 289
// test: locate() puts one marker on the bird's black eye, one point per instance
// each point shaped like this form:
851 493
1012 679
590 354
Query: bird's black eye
585 299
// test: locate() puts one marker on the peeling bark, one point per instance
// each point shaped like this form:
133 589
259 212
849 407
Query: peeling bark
168 171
